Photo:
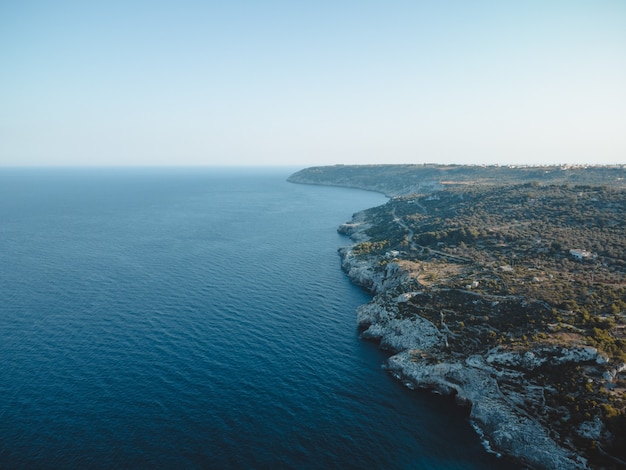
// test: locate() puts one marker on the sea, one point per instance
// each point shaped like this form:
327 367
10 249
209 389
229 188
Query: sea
197 318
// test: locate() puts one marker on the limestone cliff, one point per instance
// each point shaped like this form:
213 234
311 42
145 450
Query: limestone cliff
480 380
479 294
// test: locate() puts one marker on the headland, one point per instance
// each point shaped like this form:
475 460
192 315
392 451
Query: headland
506 288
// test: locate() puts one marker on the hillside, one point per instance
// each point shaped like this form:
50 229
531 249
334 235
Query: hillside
394 180
510 296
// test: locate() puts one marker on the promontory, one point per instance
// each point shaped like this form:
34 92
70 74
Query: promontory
505 287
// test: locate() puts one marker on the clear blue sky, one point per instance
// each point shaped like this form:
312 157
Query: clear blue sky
311 83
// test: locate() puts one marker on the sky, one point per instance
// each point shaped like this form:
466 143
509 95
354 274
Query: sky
298 83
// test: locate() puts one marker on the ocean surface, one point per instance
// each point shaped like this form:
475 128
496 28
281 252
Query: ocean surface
197 318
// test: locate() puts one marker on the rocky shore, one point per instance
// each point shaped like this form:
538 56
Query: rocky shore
491 382
504 287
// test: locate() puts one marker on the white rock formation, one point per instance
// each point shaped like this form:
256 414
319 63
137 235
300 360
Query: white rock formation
421 362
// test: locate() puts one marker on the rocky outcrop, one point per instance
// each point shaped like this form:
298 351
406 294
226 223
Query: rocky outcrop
506 428
356 229
381 320
515 343
491 383
375 279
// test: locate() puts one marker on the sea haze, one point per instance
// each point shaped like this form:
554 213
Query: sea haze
196 318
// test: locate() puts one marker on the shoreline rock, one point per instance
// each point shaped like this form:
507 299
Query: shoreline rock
491 384
478 297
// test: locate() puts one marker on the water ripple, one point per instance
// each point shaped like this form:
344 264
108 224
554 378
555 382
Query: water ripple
205 325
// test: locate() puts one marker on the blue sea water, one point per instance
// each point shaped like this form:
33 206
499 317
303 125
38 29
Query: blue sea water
196 318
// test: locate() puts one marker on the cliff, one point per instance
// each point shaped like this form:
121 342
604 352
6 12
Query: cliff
505 386
478 296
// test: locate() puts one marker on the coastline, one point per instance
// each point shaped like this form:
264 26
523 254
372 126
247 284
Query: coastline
417 363
477 295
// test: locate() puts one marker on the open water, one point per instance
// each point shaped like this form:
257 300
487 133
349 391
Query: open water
196 318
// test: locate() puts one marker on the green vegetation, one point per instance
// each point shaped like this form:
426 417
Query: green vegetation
396 180
520 260
493 263
369 248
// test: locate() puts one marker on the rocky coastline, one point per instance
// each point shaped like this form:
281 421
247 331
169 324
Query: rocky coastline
420 361
479 295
